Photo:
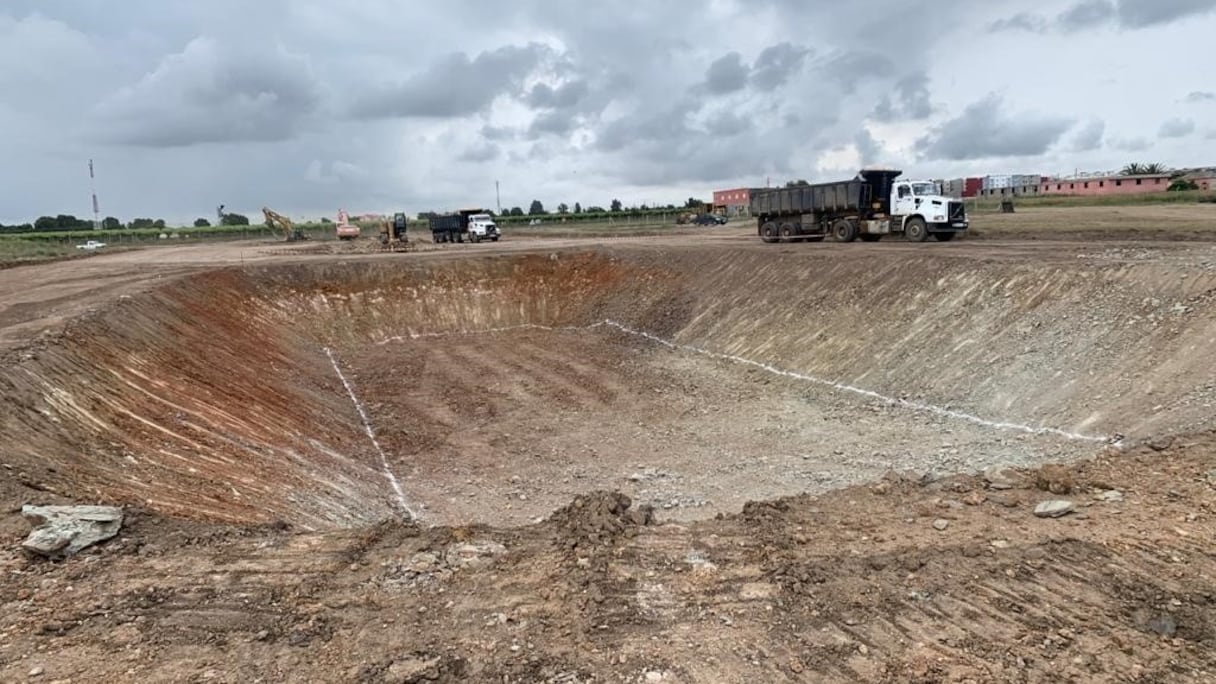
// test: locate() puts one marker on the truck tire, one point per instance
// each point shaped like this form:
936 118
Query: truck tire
844 230
915 230
870 238
788 233
768 232
474 237
944 237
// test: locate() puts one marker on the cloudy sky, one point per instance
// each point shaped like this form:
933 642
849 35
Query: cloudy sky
381 105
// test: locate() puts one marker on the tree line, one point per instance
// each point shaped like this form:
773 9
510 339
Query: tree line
537 208
67 222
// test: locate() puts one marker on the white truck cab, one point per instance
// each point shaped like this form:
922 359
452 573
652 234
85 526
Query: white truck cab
922 210
482 227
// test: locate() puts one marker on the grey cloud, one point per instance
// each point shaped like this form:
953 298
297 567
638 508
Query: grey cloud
1089 137
1144 13
727 74
456 85
1177 128
1198 96
1086 15
211 93
564 96
867 148
913 101
1130 14
559 122
727 124
1023 21
986 130
480 153
776 64
848 70
497 133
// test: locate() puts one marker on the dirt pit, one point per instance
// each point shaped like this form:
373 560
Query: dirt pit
272 430
503 428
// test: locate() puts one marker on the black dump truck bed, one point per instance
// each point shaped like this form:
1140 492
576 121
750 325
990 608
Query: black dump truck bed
839 197
453 223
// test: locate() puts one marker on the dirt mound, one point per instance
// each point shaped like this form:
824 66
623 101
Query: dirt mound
597 519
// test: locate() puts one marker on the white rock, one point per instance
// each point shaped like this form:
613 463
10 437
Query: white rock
66 530
1054 509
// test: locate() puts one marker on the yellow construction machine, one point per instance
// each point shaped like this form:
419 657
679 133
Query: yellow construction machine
278 221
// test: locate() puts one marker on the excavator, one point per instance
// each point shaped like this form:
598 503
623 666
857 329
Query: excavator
277 221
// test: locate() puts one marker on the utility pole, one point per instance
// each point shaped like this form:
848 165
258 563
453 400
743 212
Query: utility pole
96 207
498 198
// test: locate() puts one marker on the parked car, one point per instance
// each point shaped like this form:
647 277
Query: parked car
709 220
91 245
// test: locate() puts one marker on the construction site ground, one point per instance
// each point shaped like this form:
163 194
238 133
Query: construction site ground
688 457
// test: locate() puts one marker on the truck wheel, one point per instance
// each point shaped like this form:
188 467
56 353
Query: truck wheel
844 230
768 232
788 234
915 230
474 237
870 238
944 237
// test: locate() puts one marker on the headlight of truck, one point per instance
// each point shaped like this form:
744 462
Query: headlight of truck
939 218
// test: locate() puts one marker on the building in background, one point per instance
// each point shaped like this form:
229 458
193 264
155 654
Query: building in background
1112 184
733 202
963 188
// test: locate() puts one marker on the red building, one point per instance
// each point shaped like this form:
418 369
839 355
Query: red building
1105 185
733 202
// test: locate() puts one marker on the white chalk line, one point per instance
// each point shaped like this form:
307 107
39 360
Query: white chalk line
869 394
371 434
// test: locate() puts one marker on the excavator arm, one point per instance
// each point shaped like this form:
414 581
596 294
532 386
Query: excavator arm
277 221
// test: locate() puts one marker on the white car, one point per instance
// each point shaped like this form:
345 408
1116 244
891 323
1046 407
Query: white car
91 245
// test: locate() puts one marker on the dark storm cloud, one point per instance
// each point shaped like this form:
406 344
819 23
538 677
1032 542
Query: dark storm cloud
559 122
985 130
455 85
1089 137
1198 96
727 74
911 101
209 93
1176 128
1023 21
776 65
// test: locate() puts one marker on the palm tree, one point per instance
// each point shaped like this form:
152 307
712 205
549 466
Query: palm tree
1137 169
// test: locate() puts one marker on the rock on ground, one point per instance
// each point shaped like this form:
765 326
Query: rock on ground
1054 509
61 531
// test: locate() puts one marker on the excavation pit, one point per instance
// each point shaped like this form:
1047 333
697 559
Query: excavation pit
493 390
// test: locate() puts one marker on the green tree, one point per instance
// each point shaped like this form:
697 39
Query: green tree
693 203
616 205
563 208
45 223
595 210
235 220
1182 185
536 208
1138 169
202 223
796 183
516 211
578 208
158 223
111 223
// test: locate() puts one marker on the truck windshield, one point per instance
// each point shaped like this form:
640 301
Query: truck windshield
485 218
924 189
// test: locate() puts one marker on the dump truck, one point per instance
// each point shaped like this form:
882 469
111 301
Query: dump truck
477 224
869 207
